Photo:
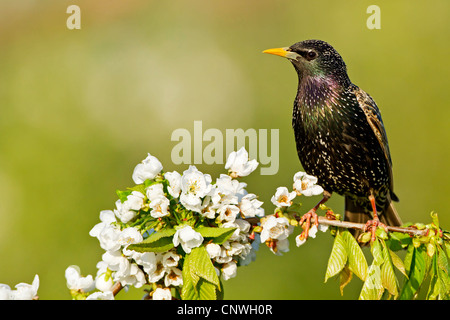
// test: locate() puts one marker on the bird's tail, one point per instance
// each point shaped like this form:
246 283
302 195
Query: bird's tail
358 214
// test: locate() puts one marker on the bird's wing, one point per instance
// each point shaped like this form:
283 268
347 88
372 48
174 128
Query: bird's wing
373 116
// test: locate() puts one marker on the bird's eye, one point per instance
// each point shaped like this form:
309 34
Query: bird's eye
311 55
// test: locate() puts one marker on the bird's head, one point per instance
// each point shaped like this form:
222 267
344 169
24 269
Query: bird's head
314 58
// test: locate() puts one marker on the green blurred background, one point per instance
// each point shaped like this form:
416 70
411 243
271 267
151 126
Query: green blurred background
80 108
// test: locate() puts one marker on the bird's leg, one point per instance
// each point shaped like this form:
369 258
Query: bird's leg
311 214
373 224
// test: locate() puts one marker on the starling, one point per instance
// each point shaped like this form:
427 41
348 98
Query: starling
340 137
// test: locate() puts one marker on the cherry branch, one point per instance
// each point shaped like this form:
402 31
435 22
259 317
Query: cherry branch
357 226
116 288
360 226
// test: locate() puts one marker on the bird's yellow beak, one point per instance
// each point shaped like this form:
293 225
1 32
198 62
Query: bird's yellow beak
282 52
277 51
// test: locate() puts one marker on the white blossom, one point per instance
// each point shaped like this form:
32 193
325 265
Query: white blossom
228 212
306 184
188 238
170 259
224 257
148 261
159 271
250 206
162 294
300 240
106 233
275 228
129 236
239 165
108 295
323 227
106 217
104 282
5 292
282 197
160 207
130 274
213 250
229 270
248 258
173 277
281 246
77 282
194 186
23 291
147 169
174 179
127 210
113 259
233 248
312 231
154 191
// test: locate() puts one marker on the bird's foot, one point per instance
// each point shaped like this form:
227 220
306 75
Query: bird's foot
372 226
305 222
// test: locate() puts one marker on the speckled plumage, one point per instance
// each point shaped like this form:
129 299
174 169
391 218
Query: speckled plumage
340 134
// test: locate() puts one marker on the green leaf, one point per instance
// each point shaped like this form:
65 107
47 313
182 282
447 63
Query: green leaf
338 257
377 252
398 241
159 241
344 278
372 288
356 260
189 291
442 271
139 187
398 263
416 266
433 290
123 195
217 235
201 265
434 218
388 278
200 281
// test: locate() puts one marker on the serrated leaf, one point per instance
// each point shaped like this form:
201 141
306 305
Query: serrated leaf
218 235
206 290
377 252
442 271
200 281
356 260
372 288
201 265
447 248
415 264
345 276
338 257
398 263
188 291
388 278
434 288
159 241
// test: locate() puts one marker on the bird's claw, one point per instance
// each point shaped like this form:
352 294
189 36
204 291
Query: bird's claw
305 222
372 226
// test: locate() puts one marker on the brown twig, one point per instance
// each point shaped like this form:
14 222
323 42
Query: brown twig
116 288
352 225
360 226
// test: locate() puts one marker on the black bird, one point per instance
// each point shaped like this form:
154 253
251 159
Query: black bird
340 136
